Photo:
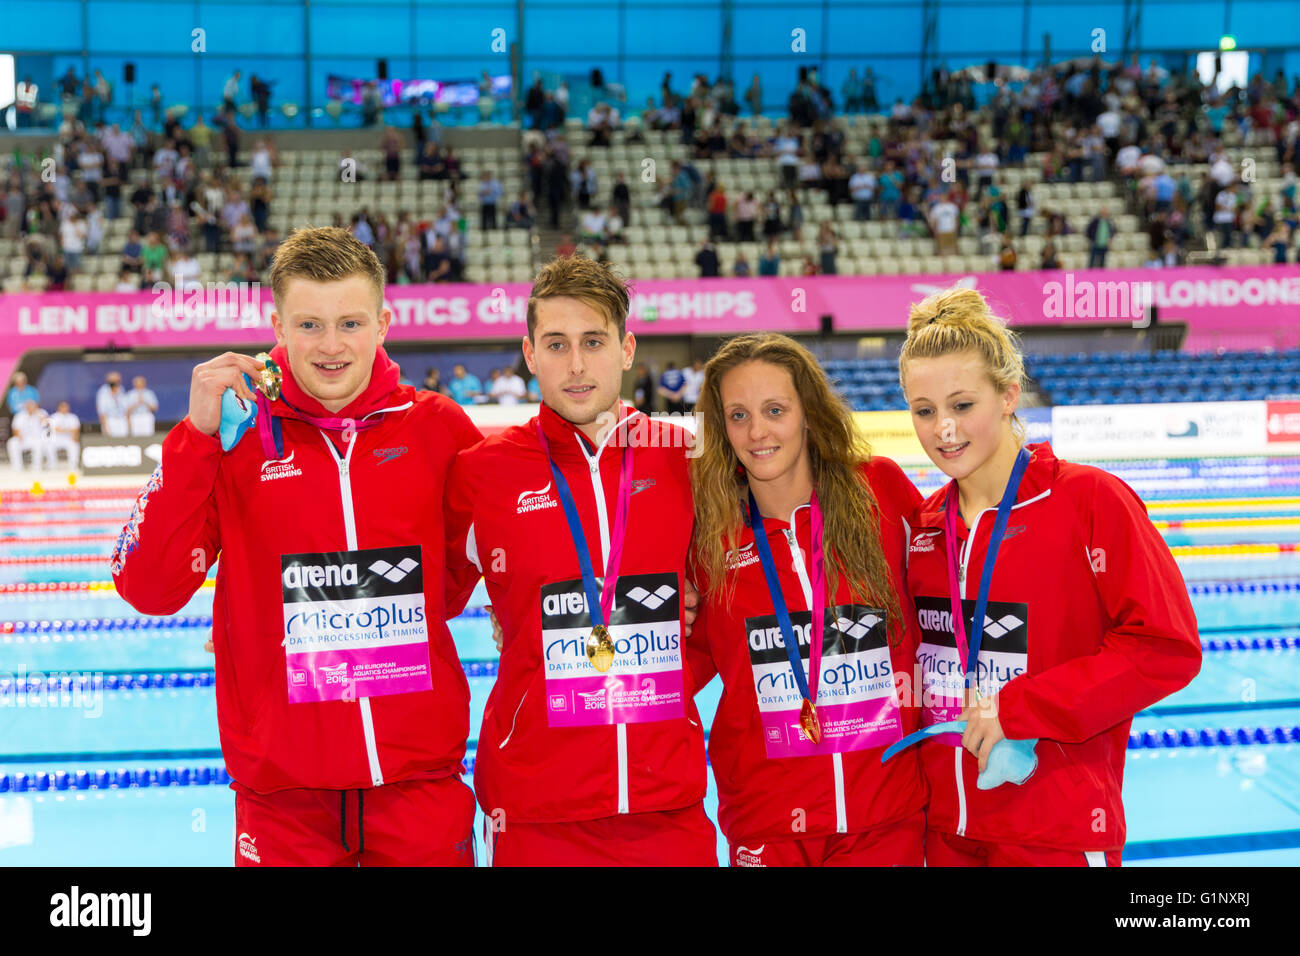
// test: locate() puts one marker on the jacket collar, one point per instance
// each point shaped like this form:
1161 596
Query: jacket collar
568 442
1038 478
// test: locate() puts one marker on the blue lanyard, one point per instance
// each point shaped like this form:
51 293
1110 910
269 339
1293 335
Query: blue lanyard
778 599
990 558
575 528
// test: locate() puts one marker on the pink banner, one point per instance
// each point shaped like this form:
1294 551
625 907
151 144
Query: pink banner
1242 307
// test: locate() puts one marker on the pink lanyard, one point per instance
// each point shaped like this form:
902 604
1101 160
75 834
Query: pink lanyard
954 592
617 534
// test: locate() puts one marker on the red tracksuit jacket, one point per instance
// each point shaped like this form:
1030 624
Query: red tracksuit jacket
1088 622
384 491
536 761
760 797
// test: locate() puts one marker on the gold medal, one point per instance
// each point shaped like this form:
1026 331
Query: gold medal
812 728
269 380
600 648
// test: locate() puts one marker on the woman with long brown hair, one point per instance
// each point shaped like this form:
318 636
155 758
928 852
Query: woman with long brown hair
795 521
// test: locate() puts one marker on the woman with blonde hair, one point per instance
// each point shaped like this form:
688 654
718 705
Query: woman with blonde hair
796 522
1050 612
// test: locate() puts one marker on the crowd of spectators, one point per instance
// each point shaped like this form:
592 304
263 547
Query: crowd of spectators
1138 128
1141 129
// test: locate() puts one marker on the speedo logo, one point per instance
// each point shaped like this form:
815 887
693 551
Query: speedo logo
535 500
315 576
388 454
742 557
283 468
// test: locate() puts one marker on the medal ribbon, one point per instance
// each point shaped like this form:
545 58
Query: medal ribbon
269 429
970 658
599 603
807 684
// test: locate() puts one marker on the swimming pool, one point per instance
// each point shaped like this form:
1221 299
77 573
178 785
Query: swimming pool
108 736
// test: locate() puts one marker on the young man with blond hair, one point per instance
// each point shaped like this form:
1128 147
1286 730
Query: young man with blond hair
591 750
342 705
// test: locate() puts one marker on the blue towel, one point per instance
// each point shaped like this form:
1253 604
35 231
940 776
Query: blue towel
1010 761
237 417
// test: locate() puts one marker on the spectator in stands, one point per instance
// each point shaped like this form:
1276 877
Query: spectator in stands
241 269
862 189
390 144
584 184
111 406
27 435
490 192
127 281
692 383
433 382
602 121
717 210
944 219
15 208
613 231
827 248
243 238
835 178
769 263
20 393
230 92
260 90
1007 255
178 226
259 203
890 186
230 133
746 214
707 260
772 225
754 95
1278 241
1049 258
741 268
808 268
565 247
522 214
437 263
592 226
64 436
262 162
809 171
509 388
141 407
185 269
796 216
622 198
72 239
643 389
154 258
1225 215
1100 231
464 388
672 386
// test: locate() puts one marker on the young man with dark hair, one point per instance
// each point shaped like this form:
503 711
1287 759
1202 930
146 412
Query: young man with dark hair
341 701
591 750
